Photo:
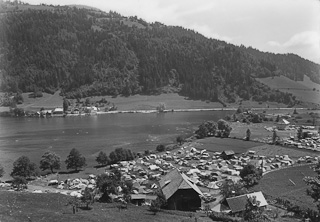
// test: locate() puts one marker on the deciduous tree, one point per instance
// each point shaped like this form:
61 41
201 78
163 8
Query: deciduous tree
103 158
75 160
87 197
224 128
50 161
250 175
121 154
253 211
231 189
23 167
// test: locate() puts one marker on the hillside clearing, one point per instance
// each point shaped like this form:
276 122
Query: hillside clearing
306 90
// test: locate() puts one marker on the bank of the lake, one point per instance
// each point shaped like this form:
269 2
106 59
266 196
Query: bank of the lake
91 134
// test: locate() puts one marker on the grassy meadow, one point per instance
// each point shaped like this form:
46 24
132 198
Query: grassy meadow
305 90
277 184
141 102
22 206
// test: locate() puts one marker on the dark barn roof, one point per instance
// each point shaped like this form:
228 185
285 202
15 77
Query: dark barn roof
174 181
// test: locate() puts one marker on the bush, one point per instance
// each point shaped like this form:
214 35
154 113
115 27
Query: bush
180 140
160 148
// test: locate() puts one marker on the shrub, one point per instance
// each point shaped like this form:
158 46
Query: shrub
180 140
160 148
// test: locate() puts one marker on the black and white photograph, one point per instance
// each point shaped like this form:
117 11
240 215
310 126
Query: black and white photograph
160 110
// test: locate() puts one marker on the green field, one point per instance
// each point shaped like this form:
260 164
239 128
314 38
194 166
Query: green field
277 184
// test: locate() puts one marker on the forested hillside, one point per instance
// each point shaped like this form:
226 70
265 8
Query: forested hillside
85 52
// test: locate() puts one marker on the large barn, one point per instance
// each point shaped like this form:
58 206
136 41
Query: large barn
180 192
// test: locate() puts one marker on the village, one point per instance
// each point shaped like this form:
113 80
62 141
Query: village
191 177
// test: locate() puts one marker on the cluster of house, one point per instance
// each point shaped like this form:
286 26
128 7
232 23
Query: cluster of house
188 177
310 135
58 111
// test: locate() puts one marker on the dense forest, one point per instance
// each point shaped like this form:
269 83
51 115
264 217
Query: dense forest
86 52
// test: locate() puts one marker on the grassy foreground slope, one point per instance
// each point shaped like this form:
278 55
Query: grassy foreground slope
277 184
16 207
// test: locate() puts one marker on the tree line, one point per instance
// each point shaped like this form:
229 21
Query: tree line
85 53
24 169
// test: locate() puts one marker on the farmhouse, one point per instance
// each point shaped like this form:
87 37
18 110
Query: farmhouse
57 111
227 154
282 124
238 203
180 192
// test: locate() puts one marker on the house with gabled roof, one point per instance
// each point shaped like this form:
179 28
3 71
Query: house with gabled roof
282 124
180 191
238 204
227 154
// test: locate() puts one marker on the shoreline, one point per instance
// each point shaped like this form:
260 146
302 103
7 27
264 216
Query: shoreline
148 111
176 110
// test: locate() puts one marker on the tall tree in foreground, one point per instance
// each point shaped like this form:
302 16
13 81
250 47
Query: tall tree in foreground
23 167
87 197
50 161
314 186
75 160
253 211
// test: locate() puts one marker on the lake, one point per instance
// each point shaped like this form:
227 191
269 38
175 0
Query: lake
91 134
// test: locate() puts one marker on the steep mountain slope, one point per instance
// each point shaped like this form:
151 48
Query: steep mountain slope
85 52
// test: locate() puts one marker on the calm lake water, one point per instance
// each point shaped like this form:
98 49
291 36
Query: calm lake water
91 134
